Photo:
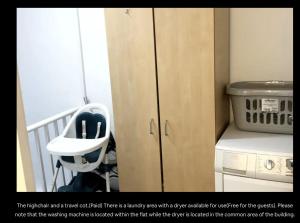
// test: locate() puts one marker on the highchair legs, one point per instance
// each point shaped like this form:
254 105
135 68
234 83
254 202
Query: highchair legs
58 165
106 170
107 179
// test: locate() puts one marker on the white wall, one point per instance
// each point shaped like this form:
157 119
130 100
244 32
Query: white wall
261 44
49 62
95 54
51 71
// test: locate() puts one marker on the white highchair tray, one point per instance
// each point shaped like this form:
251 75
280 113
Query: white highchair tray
73 146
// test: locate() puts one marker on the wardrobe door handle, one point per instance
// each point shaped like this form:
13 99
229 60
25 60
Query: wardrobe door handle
150 126
166 132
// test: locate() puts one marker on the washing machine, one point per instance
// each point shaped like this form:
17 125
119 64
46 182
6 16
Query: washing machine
253 162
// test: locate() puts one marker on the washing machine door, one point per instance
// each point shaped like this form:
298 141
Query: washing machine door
244 184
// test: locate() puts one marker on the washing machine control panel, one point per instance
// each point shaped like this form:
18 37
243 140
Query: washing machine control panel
274 168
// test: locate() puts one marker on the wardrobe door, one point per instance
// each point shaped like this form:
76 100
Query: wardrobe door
130 40
185 62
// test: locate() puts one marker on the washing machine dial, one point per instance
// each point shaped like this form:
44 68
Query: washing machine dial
269 164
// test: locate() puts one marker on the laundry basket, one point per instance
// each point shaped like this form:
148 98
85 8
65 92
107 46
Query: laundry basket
263 106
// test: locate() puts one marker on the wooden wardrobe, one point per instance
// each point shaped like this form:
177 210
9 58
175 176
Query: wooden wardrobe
169 69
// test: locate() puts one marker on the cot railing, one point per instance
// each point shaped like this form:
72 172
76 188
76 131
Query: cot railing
35 131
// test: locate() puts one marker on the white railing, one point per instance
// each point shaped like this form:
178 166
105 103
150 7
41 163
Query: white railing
40 156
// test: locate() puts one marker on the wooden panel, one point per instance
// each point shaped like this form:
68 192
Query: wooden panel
185 60
132 69
221 69
24 163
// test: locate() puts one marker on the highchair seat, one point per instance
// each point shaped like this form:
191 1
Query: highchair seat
82 145
62 146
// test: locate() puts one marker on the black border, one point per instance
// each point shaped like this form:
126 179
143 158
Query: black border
154 197
155 3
